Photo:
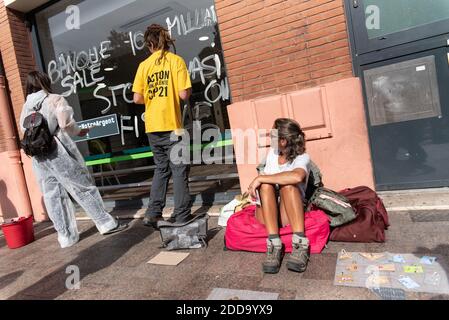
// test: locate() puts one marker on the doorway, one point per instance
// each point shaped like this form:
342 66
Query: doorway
400 52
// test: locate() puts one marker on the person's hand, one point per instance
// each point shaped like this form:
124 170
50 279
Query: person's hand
253 187
83 133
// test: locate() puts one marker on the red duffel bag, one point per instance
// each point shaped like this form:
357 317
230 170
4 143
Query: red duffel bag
245 233
371 218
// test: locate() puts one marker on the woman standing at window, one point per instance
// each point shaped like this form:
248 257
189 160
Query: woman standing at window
63 171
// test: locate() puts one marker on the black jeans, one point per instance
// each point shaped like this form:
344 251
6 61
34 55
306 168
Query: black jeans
161 147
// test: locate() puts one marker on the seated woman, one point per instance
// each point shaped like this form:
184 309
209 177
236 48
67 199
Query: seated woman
281 187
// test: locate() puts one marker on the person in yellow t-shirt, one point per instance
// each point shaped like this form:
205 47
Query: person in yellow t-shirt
161 82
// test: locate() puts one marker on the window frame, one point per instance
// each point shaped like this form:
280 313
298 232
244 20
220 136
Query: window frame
41 63
363 44
34 33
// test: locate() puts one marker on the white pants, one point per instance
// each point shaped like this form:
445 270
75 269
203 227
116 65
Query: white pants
64 173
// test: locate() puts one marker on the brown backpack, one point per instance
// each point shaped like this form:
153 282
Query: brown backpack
371 218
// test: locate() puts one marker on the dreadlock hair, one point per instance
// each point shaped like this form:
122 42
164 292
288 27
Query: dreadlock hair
159 38
291 131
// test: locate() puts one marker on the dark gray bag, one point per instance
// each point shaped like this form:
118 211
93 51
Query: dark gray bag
335 205
188 235
315 180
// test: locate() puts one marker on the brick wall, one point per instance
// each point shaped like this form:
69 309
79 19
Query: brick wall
17 54
276 46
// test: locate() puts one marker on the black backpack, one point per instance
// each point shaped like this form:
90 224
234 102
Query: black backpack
37 140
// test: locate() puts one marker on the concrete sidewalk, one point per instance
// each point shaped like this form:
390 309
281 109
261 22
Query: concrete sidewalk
115 267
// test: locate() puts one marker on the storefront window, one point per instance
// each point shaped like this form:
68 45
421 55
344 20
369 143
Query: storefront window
385 17
91 50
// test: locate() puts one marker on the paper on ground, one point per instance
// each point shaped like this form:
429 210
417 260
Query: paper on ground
230 294
169 258
392 271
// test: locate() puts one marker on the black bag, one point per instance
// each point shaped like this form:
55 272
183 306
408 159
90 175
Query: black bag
189 235
37 140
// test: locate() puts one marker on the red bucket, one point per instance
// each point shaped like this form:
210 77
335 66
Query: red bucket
18 233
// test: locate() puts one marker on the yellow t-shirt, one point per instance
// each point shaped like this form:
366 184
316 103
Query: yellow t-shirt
160 85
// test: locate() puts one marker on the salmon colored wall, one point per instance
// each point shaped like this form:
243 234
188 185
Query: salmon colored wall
333 119
37 201
8 197
10 203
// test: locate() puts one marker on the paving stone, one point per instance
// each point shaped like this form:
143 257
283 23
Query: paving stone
240 263
325 290
285 279
321 266
135 289
426 216
48 287
202 284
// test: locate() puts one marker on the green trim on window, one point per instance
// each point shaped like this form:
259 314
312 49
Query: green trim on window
120 159
136 156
